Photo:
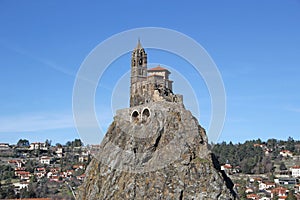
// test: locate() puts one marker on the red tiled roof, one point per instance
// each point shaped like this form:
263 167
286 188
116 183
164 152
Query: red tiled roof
280 190
227 166
23 172
252 196
158 68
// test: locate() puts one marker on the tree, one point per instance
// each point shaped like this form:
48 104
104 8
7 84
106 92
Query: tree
271 143
23 143
290 144
7 191
77 143
282 166
58 145
68 144
48 143
30 165
291 195
30 191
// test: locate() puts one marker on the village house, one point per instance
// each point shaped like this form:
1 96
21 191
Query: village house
249 190
295 171
59 152
267 152
55 178
55 169
80 177
281 192
67 174
283 174
296 157
23 175
85 152
45 160
252 196
266 185
286 153
4 146
17 163
82 158
227 168
285 181
19 186
19 169
40 172
77 167
38 146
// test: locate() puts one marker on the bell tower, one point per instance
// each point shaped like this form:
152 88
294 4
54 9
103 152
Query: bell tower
138 74
138 64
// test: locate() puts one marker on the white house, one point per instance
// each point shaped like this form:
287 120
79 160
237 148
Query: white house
266 185
23 175
249 190
38 146
45 160
4 146
20 185
286 153
295 171
59 152
17 163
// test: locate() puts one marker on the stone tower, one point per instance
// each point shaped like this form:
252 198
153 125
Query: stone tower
138 75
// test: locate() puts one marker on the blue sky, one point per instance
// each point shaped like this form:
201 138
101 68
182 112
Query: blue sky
255 44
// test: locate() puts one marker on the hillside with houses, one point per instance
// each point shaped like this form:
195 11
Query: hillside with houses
40 169
262 170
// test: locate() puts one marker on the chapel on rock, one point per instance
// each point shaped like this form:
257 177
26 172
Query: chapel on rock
149 85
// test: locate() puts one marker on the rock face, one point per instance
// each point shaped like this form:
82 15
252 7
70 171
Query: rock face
155 151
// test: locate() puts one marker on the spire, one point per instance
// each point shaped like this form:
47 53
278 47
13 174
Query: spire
139 46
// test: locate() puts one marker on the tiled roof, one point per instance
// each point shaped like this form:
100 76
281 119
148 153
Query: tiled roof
158 68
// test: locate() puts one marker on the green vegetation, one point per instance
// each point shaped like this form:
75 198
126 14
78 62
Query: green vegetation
6 172
23 143
255 156
246 155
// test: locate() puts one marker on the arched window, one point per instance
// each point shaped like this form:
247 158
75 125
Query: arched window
145 114
135 116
